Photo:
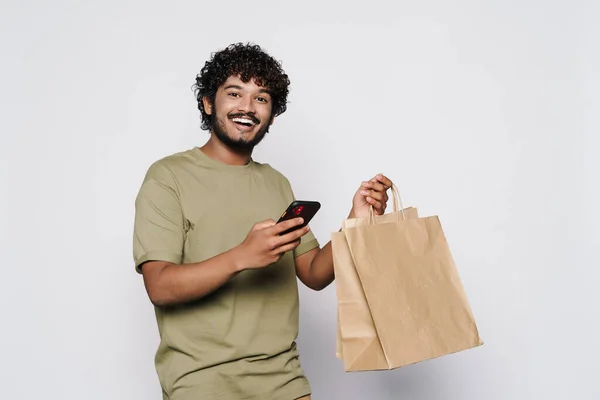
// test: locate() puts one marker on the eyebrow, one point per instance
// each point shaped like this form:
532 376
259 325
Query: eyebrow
238 87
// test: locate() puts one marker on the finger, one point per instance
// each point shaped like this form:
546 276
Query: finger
285 225
380 187
263 224
287 247
377 205
292 236
387 183
384 180
380 196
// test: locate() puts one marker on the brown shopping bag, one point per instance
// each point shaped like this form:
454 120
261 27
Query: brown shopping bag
400 299
357 342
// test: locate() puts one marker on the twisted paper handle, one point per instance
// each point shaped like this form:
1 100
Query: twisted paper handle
397 201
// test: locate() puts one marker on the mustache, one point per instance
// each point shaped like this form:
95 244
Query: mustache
250 116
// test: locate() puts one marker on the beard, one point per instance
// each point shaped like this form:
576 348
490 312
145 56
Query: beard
241 144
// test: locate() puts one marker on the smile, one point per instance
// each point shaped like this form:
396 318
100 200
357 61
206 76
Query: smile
244 121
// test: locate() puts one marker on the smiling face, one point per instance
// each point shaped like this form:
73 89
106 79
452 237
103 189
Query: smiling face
241 113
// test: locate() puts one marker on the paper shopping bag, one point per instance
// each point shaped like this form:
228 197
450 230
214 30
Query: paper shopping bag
412 288
357 343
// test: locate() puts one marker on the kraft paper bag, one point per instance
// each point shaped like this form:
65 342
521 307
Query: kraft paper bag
357 342
412 292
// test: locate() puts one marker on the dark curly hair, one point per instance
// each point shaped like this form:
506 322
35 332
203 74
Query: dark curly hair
248 61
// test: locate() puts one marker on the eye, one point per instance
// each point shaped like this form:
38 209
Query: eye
262 99
233 94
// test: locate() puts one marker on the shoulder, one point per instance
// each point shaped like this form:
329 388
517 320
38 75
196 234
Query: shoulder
163 175
165 168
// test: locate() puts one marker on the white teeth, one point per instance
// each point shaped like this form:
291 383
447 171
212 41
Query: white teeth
243 121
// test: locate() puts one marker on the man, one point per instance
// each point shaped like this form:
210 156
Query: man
221 277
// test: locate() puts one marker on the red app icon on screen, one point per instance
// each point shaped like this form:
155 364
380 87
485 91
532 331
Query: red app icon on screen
298 210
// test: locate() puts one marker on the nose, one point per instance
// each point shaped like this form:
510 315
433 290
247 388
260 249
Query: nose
246 104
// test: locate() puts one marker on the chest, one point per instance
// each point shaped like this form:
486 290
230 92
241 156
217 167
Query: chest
219 210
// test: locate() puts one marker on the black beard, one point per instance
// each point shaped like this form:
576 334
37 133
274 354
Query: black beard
218 128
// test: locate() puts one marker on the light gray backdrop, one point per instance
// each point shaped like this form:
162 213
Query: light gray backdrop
482 112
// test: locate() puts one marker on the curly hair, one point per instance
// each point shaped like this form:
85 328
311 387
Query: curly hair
248 61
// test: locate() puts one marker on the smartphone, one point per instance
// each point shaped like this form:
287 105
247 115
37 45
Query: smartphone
300 208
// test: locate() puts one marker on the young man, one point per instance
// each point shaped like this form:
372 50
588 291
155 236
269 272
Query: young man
220 275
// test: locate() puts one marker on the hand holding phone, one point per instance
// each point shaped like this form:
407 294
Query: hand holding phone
268 240
300 208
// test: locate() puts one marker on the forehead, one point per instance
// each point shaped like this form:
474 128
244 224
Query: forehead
238 83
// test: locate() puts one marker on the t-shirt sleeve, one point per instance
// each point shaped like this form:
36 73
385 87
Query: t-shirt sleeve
159 221
308 242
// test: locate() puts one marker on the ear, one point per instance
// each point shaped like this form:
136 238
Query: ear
207 105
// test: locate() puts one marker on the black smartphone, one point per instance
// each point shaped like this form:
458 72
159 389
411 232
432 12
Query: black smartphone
300 208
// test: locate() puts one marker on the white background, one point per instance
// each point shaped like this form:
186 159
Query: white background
482 112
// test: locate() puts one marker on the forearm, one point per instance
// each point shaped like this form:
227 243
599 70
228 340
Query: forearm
175 284
321 271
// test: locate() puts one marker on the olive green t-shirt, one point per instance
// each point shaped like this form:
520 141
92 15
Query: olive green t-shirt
239 341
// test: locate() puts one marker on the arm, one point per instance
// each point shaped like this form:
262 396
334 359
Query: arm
170 284
315 268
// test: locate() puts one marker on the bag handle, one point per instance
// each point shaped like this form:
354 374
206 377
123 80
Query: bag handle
397 201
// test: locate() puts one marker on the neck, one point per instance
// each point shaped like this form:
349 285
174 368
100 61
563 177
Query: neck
217 150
